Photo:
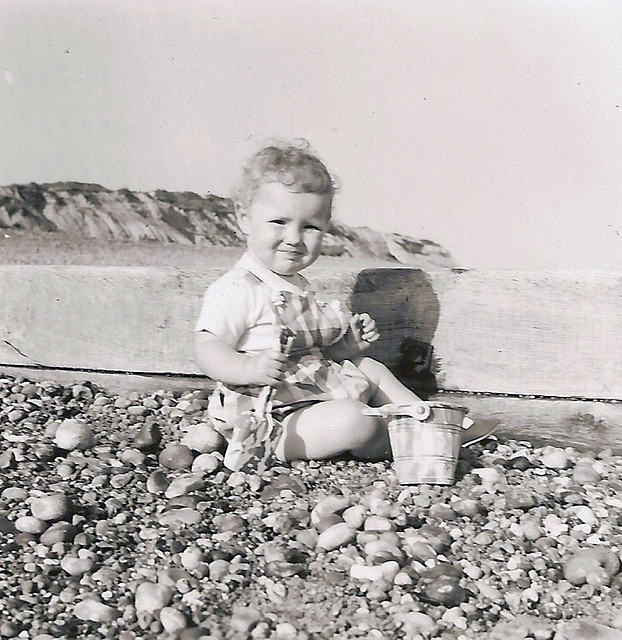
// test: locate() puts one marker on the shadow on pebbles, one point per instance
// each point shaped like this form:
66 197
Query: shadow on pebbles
118 520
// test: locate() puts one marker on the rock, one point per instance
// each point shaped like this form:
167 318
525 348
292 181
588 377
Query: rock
206 463
421 551
554 458
218 569
244 619
58 532
378 523
76 566
176 456
173 621
285 631
74 434
180 517
467 507
435 536
443 511
584 629
183 485
336 536
192 558
584 473
519 498
444 590
94 611
329 506
148 437
151 597
229 522
52 507
157 482
417 623
30 524
385 571
203 438
283 483
8 460
354 516
597 566
328 521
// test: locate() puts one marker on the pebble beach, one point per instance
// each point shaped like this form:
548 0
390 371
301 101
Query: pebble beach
118 520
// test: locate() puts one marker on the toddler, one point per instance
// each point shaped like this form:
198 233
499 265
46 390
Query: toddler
292 363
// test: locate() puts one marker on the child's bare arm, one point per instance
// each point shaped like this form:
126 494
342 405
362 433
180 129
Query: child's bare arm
221 361
361 333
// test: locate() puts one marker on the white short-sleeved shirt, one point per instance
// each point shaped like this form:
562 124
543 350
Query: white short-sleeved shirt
237 309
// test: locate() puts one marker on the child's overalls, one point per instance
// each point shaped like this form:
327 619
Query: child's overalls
251 417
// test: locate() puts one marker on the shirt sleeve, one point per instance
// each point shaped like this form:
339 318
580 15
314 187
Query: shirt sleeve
227 309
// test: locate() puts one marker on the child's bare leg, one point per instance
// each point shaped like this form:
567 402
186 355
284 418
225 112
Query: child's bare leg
387 388
328 429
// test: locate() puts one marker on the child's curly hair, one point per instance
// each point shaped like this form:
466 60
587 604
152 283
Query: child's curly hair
290 163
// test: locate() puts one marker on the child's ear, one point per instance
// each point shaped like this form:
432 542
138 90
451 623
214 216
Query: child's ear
241 216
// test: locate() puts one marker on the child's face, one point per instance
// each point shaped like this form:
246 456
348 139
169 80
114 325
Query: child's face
284 229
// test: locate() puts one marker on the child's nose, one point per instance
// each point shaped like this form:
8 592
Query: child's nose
292 235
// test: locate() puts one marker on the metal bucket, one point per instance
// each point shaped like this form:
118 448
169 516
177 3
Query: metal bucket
426 451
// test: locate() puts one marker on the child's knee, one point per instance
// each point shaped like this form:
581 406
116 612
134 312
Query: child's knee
355 426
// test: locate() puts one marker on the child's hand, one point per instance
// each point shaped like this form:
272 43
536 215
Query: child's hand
366 326
362 332
267 367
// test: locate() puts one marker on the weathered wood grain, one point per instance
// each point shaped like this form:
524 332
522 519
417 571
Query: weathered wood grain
518 332
593 426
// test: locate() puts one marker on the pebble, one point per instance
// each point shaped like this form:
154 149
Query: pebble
338 535
176 456
554 458
180 517
585 474
157 482
244 619
30 524
218 569
74 434
192 558
354 516
151 597
329 506
173 621
206 463
52 507
378 523
595 566
94 611
229 522
203 438
468 508
148 437
78 565
444 590
183 485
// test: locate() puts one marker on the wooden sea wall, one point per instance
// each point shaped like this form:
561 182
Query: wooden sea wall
534 349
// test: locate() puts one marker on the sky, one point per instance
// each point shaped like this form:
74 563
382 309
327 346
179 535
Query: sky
493 127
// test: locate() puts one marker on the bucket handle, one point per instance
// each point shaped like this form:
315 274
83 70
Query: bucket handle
416 410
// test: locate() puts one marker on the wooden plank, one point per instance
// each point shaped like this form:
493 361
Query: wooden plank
551 333
586 426
518 332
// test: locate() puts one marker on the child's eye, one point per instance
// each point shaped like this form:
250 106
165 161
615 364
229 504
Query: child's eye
312 227
277 221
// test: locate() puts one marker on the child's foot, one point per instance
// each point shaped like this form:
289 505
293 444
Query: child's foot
479 430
